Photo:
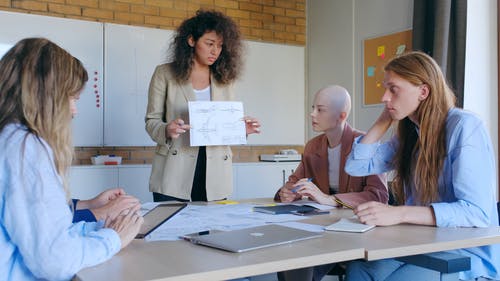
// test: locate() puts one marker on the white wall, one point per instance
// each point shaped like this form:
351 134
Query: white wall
374 18
336 30
330 54
481 70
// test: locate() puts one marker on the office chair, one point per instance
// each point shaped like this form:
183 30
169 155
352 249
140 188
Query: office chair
338 271
498 211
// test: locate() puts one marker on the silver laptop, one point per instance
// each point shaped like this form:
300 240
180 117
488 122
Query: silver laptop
247 239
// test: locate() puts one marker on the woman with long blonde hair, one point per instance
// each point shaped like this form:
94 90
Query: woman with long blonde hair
39 85
444 163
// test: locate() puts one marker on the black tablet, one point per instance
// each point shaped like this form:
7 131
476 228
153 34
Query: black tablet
157 216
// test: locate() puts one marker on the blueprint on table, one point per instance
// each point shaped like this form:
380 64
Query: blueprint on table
195 218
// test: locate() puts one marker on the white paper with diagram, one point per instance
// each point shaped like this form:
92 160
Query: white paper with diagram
216 123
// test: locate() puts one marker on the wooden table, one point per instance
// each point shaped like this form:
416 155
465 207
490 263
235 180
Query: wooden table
181 260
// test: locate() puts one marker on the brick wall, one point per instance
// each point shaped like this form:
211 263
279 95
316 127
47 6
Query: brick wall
144 154
274 21
277 21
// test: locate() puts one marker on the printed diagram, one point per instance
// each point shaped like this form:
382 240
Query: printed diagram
216 123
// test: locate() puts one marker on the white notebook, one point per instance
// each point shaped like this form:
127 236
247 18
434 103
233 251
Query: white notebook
349 225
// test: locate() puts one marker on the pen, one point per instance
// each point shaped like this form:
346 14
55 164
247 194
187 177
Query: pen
299 186
189 237
342 203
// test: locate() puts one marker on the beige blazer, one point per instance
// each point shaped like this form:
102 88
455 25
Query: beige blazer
175 161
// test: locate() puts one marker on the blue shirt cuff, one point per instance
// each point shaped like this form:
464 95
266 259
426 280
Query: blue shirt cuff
83 215
362 150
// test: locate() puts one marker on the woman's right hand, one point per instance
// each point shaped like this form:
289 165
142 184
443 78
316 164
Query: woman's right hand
176 127
126 225
286 195
113 208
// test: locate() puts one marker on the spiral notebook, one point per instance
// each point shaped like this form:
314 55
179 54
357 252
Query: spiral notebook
349 225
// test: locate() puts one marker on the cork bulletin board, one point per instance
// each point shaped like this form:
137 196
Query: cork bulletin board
377 52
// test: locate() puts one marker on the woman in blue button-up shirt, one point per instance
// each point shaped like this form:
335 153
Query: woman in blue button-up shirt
444 163
39 84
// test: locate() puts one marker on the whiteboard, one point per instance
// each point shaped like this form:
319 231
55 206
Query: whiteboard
121 59
83 39
272 86
131 55
272 89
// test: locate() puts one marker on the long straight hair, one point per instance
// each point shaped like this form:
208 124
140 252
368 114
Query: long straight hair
37 80
425 151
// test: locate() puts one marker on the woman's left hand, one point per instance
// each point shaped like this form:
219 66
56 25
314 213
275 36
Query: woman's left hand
100 200
376 213
252 125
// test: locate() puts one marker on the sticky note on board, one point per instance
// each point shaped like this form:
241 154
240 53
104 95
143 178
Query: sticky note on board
381 51
400 49
370 71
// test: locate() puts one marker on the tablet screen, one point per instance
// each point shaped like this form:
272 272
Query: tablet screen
157 216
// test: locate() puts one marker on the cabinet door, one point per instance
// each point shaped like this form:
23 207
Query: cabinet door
83 39
288 169
87 182
135 181
259 180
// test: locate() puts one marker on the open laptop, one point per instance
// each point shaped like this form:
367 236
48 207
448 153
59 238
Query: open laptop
253 238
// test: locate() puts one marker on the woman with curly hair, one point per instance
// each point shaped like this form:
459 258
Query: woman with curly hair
206 60
445 168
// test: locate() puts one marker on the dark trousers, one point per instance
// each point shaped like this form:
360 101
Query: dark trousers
199 189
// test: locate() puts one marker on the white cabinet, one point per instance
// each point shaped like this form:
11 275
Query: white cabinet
88 181
262 179
250 180
135 180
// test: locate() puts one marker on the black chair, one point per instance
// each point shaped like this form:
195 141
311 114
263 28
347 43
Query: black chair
338 270
498 211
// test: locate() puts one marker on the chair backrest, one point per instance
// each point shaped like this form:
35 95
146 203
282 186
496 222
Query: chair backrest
498 210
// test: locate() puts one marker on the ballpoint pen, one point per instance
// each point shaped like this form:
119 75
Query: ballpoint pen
342 203
299 186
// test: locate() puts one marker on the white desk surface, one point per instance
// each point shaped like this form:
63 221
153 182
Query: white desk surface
181 260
